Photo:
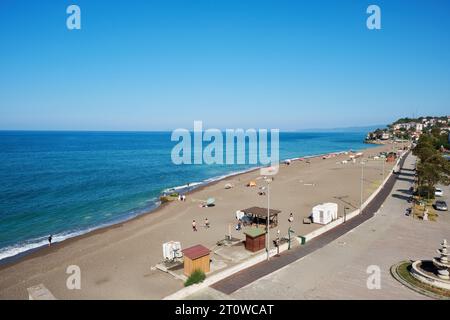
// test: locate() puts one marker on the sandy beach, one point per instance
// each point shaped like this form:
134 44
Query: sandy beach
116 262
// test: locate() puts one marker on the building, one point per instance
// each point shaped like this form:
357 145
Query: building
324 213
255 239
385 136
196 258
419 127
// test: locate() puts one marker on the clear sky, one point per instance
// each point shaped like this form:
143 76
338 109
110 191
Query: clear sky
161 64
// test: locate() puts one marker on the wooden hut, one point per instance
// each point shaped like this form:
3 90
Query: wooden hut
259 215
196 258
255 239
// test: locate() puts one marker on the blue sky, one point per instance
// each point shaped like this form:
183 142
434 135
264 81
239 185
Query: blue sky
156 65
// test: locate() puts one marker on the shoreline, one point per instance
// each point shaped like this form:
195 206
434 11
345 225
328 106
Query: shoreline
45 249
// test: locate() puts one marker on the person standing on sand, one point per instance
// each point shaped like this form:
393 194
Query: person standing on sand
206 223
291 218
194 226
50 240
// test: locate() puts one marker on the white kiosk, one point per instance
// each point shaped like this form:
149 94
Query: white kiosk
324 213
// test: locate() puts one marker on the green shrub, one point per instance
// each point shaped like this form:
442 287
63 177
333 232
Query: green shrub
196 277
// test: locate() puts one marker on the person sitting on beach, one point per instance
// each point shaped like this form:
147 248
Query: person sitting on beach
206 223
194 225
291 218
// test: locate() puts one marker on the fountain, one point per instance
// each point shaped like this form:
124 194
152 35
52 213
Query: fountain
434 272
442 263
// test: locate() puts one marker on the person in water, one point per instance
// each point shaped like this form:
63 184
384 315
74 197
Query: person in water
50 240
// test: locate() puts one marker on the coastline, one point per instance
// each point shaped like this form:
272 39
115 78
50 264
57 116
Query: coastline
45 249
121 255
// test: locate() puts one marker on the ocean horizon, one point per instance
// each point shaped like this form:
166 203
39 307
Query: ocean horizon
67 183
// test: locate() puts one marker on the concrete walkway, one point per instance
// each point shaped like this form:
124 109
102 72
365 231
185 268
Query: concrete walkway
335 264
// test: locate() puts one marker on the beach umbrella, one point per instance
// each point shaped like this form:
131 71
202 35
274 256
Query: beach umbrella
210 201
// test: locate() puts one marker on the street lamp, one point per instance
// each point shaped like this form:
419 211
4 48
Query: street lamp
362 186
268 218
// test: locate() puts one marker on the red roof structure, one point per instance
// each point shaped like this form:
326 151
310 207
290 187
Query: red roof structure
196 252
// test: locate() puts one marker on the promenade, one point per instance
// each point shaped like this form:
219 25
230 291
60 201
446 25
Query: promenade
381 236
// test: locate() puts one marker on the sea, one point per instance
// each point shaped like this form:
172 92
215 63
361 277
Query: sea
69 183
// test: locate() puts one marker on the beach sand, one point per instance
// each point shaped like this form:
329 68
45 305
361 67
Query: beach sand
116 262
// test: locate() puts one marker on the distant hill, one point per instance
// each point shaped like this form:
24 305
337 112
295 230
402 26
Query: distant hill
346 129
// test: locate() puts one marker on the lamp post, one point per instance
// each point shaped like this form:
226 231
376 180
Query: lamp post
268 218
362 186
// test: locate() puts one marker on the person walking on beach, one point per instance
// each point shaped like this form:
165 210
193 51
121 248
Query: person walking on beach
206 223
194 226
50 240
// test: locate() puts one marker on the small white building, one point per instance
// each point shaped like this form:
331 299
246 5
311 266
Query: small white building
419 127
385 136
324 213
171 250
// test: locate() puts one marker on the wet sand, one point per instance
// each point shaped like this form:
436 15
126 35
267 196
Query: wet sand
116 262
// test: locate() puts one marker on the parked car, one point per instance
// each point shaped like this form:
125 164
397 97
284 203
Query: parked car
441 206
438 192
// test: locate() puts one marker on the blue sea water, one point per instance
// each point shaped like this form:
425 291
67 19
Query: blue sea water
68 183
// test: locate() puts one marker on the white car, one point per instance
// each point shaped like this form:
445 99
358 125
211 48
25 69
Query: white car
438 192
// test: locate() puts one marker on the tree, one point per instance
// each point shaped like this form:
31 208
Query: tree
433 168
